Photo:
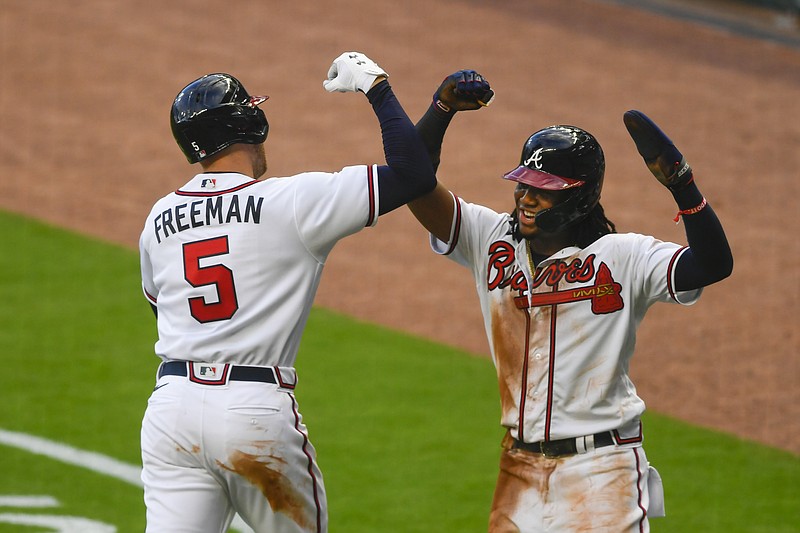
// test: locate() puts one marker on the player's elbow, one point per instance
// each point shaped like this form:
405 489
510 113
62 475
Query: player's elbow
427 185
722 268
419 179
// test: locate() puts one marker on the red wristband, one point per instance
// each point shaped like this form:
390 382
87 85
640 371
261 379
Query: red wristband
691 211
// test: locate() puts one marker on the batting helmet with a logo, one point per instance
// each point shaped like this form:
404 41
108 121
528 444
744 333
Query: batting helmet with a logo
562 158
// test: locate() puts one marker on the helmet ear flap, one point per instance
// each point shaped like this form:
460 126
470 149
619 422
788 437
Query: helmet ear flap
571 211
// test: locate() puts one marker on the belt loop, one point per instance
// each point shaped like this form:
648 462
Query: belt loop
589 443
580 445
286 377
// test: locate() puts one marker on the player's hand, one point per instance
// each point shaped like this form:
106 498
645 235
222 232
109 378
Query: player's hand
662 158
351 72
463 90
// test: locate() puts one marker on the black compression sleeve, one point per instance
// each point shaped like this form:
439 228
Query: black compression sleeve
709 258
408 173
432 127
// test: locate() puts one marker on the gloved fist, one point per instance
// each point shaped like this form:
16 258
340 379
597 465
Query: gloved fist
463 90
351 72
662 158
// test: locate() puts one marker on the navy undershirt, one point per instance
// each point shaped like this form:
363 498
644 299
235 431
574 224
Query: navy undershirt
408 173
708 258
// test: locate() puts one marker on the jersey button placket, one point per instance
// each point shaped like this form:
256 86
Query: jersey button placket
537 356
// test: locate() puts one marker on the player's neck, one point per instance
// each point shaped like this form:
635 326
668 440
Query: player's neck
232 159
547 245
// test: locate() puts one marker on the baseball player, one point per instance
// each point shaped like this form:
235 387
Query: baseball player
562 295
230 264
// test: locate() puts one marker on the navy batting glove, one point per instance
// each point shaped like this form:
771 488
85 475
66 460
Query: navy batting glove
660 155
463 91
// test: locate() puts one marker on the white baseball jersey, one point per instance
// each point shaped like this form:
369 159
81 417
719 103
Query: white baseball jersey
562 337
234 263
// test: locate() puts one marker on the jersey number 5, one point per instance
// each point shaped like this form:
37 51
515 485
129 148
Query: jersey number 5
218 275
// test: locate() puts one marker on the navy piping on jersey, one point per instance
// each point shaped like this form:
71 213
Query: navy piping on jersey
217 193
671 273
371 192
457 229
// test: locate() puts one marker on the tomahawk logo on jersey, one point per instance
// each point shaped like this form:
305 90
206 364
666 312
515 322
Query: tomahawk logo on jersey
604 292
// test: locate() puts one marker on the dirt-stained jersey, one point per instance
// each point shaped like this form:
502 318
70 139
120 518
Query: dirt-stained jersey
562 337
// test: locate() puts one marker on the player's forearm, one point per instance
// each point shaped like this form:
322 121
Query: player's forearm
709 258
411 172
431 128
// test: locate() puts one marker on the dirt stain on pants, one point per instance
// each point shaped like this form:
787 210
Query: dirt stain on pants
273 484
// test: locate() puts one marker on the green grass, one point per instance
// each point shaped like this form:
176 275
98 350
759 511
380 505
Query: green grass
407 431
717 482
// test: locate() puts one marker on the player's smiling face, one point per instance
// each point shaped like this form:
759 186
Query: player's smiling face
529 201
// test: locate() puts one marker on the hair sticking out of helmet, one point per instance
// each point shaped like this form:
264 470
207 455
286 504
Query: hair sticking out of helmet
562 158
214 112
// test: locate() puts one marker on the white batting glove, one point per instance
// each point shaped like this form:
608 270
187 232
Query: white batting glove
351 72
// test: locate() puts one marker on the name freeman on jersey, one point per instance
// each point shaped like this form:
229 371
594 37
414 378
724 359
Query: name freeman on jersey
206 212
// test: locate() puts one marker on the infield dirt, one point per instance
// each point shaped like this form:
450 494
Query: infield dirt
85 90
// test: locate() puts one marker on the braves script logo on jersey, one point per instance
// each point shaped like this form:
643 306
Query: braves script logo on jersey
604 294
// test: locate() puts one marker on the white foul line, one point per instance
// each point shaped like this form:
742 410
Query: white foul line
96 462
28 501
102 464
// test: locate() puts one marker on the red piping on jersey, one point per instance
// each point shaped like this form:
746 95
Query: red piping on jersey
670 273
631 440
315 488
523 395
639 489
151 297
551 371
281 383
371 193
217 193
456 229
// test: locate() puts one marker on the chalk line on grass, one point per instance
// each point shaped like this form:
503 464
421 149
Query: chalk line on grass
96 462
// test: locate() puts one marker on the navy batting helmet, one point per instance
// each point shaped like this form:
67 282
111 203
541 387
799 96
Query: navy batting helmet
214 112
562 158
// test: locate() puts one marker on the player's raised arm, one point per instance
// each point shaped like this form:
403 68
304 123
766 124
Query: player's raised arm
709 258
408 172
461 91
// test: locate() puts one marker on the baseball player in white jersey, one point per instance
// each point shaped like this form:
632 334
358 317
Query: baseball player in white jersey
231 264
562 295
